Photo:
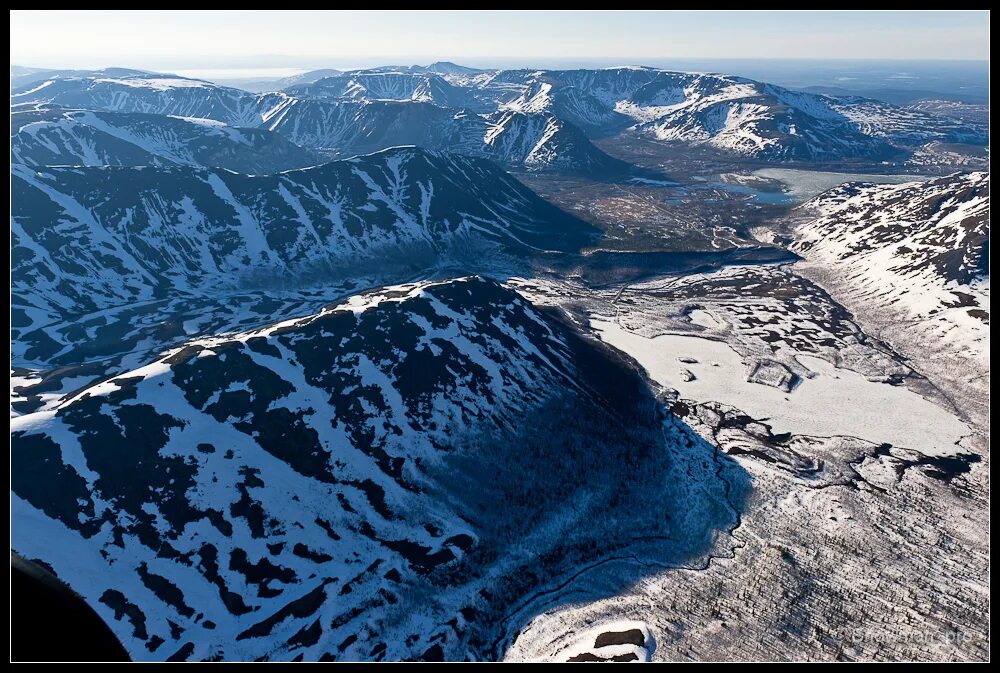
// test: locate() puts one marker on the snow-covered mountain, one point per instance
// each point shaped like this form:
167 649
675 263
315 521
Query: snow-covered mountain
733 114
442 82
449 69
913 260
53 136
341 115
349 127
920 247
911 125
88 238
542 140
532 141
381 480
397 86
21 76
977 113
134 91
306 375
264 85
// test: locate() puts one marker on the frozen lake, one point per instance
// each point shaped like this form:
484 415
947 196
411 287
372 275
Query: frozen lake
802 185
833 402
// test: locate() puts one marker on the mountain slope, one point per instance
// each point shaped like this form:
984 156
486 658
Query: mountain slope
265 85
529 141
921 246
910 125
912 261
58 137
352 127
447 68
731 113
85 239
544 141
143 92
382 480
20 77
397 86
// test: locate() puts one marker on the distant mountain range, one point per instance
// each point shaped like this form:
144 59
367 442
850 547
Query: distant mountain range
21 76
444 106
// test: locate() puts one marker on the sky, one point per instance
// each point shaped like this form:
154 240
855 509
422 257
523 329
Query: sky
283 42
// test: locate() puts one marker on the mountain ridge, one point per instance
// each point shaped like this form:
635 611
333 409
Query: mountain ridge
56 136
733 114
181 229
327 487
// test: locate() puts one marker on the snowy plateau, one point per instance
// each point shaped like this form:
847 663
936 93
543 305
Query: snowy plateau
436 363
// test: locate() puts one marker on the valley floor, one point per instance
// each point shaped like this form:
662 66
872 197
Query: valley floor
868 451
861 535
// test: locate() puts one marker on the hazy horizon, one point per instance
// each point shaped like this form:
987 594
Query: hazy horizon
347 64
256 43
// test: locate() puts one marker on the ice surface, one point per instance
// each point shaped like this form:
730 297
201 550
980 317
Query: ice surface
833 402
805 184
